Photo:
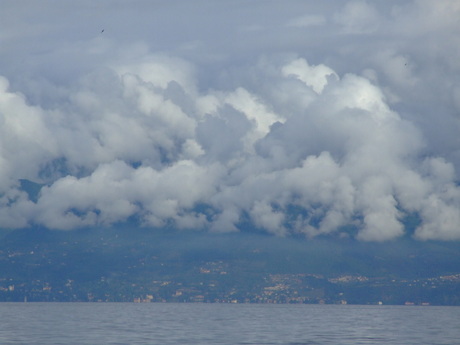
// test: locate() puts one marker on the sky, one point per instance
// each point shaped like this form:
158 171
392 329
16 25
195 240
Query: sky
311 118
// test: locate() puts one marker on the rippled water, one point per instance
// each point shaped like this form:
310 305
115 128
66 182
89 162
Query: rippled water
129 323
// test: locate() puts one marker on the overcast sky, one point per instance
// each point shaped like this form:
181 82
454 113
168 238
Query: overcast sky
290 117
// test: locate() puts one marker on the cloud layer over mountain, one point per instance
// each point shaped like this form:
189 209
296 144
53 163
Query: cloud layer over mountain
293 117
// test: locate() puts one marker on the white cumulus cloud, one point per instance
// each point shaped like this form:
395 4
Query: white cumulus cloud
325 118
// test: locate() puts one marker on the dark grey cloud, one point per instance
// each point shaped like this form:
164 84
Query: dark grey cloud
297 117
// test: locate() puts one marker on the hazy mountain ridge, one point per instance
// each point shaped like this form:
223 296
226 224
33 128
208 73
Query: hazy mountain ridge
159 265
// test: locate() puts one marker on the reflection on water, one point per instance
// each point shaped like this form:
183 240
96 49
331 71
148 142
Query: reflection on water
130 323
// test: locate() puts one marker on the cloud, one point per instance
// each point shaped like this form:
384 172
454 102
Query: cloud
339 124
358 17
306 21
314 76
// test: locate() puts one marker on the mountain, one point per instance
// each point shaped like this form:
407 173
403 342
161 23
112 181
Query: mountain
126 264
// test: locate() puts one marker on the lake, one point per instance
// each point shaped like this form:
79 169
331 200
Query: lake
165 323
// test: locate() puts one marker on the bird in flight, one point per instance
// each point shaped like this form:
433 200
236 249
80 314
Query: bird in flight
102 31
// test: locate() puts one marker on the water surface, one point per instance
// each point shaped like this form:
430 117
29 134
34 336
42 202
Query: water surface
156 323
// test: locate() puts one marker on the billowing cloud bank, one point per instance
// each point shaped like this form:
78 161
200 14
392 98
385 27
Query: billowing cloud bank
274 142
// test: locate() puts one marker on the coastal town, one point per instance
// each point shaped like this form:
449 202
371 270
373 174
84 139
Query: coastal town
224 282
